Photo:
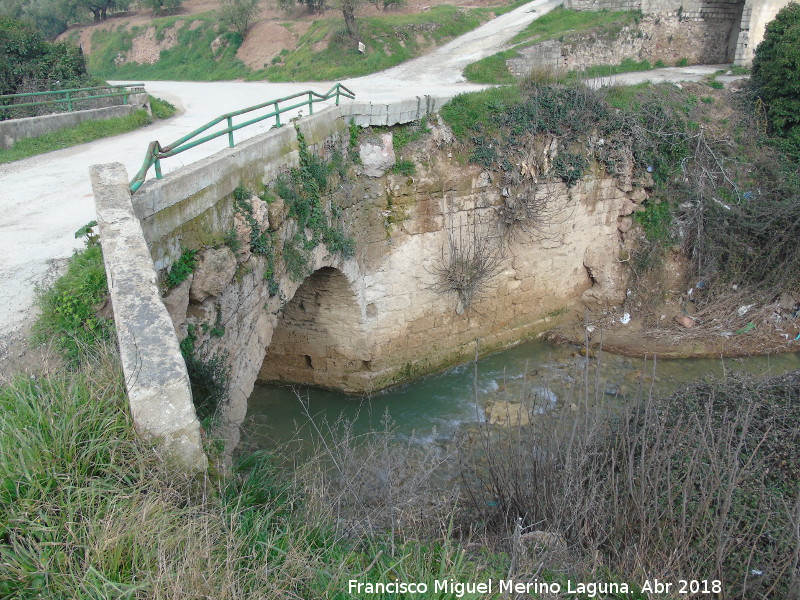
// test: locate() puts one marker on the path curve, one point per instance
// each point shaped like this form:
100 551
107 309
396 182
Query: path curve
46 198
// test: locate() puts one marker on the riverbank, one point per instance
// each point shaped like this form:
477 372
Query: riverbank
768 329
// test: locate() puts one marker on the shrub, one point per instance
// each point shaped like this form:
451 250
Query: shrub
28 63
776 71
161 109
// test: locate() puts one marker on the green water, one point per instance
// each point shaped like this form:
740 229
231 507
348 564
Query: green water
432 408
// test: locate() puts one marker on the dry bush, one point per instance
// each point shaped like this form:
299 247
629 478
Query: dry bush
689 487
469 261
376 481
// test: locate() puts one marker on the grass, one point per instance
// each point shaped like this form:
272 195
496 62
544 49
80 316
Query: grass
69 318
89 511
85 132
491 69
389 39
560 23
191 59
324 52
161 109
467 113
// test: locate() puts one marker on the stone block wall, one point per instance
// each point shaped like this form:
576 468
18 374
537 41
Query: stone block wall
748 18
755 16
13 130
667 37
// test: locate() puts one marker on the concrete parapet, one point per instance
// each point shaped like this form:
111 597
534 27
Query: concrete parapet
14 130
155 374
381 114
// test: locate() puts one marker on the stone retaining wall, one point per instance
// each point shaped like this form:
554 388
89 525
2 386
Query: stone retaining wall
13 130
749 18
663 37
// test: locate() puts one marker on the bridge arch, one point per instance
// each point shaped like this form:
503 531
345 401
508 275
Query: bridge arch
320 338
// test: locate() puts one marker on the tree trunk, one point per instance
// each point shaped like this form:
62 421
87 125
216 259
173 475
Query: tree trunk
350 20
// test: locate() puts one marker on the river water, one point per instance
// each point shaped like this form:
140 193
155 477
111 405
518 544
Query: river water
432 408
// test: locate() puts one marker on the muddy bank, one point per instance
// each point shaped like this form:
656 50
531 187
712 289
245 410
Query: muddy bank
711 333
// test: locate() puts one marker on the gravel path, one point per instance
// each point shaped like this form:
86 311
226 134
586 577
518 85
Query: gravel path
46 198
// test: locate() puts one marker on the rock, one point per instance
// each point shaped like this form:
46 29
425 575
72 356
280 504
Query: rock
788 301
685 321
213 273
624 224
628 206
260 212
242 229
543 540
177 301
276 212
377 156
440 133
638 196
507 413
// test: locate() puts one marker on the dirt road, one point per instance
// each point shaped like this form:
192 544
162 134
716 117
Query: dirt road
46 198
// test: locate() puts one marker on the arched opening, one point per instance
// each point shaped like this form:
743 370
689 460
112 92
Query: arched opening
320 338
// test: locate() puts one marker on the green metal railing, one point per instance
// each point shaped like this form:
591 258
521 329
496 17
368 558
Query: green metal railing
69 96
156 152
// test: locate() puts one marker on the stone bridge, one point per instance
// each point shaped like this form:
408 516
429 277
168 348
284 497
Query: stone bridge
356 320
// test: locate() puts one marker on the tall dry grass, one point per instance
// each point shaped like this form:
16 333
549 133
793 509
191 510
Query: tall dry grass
702 485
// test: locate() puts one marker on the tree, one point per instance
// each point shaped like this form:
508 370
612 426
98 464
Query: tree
238 14
776 72
50 17
101 8
162 6
348 8
29 63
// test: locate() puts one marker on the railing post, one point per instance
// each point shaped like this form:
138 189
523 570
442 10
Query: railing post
158 169
337 93
69 102
125 95
310 104
277 116
230 132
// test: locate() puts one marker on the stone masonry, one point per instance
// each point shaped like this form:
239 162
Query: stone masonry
381 316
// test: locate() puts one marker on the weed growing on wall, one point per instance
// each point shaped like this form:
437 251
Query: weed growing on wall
182 268
209 376
302 189
405 167
262 243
